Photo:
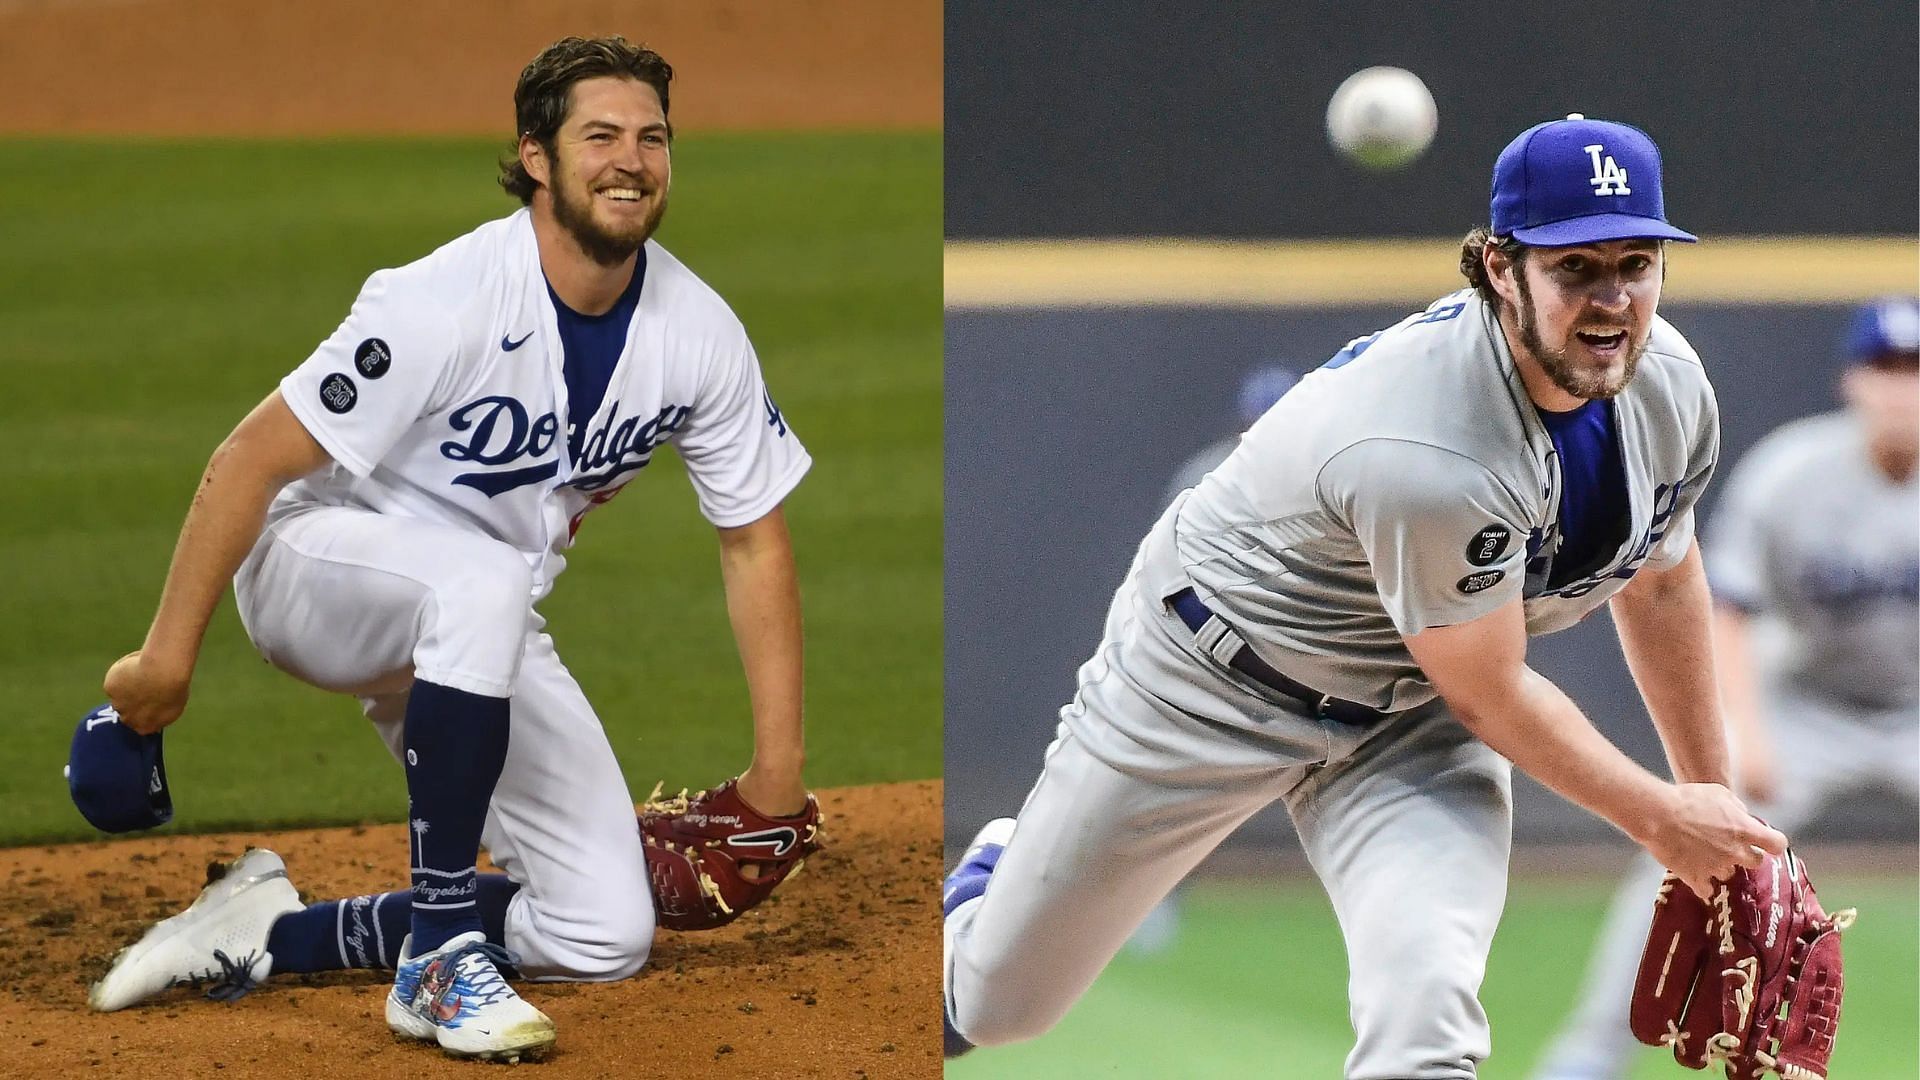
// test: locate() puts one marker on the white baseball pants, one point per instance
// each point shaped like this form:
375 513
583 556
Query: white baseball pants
363 603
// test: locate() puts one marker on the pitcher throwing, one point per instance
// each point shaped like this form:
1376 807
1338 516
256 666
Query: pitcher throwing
1338 615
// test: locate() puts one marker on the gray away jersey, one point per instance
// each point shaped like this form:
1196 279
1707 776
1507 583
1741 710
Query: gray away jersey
1824 550
1409 483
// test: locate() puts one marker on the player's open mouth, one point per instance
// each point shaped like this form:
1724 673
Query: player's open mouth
1606 344
626 195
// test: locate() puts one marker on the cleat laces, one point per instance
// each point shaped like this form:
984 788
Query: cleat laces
232 981
477 974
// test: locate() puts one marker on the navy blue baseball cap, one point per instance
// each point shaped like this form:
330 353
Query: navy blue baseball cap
1580 181
1890 324
117 776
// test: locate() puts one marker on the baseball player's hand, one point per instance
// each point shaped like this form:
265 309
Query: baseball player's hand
148 694
714 855
1707 833
775 792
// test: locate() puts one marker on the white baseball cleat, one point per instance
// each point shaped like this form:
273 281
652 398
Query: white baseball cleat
455 996
220 938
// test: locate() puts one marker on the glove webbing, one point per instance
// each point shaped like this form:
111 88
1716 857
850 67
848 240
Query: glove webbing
1722 1046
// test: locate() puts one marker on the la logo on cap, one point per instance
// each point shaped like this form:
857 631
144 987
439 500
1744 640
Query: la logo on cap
1608 177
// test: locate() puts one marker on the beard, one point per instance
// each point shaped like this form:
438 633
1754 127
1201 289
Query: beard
1565 372
606 246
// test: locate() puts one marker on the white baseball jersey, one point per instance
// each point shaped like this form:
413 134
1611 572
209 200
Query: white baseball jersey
1824 548
1410 483
442 396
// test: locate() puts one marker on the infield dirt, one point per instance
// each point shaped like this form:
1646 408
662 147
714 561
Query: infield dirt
837 975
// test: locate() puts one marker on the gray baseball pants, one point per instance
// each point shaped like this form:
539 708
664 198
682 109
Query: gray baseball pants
1164 752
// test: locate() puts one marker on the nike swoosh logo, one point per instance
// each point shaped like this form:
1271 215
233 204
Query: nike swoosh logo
781 840
509 344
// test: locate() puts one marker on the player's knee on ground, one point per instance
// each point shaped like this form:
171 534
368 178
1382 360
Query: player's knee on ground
606 944
617 953
476 624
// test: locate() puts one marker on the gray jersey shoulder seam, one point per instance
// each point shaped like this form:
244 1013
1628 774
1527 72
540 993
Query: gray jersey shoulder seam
1489 470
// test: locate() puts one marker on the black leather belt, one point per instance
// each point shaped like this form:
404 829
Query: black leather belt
1195 614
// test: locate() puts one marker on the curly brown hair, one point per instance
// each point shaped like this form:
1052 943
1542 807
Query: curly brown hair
544 95
1473 264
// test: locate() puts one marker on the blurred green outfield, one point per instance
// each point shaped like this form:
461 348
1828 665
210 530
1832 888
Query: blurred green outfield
152 291
1255 986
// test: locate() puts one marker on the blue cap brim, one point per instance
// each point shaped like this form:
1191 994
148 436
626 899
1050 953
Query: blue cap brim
1598 228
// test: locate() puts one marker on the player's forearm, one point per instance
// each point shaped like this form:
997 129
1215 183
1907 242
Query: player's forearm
763 606
1532 723
1663 619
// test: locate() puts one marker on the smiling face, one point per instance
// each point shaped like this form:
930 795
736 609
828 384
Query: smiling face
605 180
1580 315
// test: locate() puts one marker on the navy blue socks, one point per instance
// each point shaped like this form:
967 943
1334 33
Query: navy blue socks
456 745
365 931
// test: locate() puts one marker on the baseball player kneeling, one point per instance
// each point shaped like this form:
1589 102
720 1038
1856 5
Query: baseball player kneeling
1337 617
391 515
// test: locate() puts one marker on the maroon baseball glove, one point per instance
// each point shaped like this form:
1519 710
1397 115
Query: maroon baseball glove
711 857
1751 979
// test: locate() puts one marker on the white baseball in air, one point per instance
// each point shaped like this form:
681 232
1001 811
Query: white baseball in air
1382 117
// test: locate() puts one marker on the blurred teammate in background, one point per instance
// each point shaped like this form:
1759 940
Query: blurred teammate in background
1814 559
1261 387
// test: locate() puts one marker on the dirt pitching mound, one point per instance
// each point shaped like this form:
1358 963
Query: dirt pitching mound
838 975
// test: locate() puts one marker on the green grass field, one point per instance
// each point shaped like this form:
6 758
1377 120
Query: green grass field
153 291
1255 986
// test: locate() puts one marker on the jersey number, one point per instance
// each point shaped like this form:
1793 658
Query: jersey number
1354 348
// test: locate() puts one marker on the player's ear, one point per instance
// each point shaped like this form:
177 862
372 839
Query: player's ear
1501 268
533 158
